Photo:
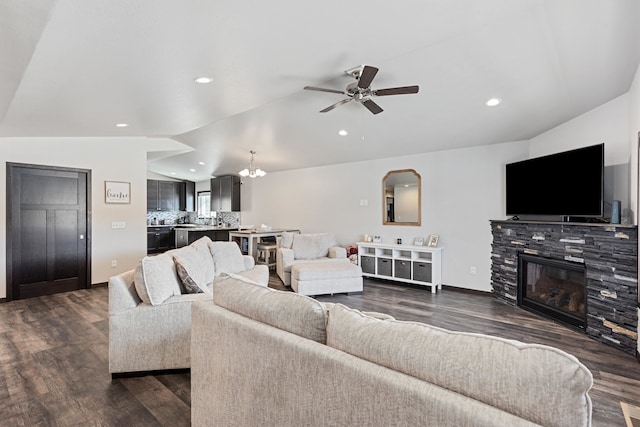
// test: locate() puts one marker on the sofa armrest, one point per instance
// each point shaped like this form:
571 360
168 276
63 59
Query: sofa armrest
122 292
337 252
249 262
284 257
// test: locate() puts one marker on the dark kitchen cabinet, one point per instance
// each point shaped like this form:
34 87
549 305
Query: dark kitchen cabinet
190 197
225 193
160 239
166 195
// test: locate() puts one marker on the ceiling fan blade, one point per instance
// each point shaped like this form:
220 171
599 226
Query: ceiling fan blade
396 91
321 89
372 106
337 104
366 77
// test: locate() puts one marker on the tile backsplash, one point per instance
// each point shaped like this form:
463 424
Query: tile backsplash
232 219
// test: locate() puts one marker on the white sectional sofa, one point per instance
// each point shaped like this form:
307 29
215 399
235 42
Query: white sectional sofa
266 357
150 307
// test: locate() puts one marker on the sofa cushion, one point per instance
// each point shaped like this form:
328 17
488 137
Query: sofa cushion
297 314
156 279
202 246
507 374
311 246
192 270
258 274
227 257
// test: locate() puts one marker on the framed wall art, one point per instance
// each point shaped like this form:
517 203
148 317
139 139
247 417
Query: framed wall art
117 192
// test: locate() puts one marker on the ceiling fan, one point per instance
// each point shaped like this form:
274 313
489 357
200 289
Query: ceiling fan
360 90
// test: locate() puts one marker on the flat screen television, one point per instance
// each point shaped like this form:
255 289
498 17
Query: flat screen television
567 184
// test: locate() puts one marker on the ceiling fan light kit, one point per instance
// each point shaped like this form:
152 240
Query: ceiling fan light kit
252 171
360 90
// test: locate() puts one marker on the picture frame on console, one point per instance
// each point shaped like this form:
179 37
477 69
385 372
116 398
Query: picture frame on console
433 241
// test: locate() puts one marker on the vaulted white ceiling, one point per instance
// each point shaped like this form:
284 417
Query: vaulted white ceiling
76 68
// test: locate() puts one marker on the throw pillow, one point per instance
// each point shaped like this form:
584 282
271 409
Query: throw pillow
157 279
202 247
189 285
189 267
227 257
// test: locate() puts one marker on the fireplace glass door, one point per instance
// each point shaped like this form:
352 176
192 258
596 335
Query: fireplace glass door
555 288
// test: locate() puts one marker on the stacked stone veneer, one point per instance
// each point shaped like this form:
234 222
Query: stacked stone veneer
609 254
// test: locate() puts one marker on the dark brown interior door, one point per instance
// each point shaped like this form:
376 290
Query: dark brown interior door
47 242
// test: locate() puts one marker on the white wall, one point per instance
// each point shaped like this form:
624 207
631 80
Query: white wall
112 159
608 124
634 129
461 191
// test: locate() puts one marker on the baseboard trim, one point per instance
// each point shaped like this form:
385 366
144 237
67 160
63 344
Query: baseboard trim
466 291
99 285
118 375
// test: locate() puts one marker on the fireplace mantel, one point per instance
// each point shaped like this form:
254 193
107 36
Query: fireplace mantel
610 256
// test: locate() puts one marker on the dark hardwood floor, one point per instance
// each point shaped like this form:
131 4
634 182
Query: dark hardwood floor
54 356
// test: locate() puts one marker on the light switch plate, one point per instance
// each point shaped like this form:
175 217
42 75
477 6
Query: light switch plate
117 224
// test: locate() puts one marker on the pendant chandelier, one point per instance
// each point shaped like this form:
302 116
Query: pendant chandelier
252 171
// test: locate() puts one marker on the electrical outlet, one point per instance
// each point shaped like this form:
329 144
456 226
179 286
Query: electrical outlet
473 270
114 263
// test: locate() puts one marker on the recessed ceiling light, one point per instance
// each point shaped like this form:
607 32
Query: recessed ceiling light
493 102
173 173
192 170
203 80
201 163
343 132
122 125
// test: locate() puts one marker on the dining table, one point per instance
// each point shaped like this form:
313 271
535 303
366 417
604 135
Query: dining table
248 239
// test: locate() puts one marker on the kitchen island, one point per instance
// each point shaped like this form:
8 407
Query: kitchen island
189 233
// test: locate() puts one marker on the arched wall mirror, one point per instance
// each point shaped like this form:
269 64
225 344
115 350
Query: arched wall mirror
401 190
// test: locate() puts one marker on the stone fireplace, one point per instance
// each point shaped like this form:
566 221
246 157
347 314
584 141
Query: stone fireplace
553 261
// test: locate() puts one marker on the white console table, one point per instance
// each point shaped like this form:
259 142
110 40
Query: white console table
420 265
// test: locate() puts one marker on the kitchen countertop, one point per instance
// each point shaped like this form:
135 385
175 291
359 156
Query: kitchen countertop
194 227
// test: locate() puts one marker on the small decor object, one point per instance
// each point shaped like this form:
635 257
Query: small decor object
418 241
376 238
399 241
117 192
433 241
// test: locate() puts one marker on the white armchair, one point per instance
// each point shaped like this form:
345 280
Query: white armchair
294 248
